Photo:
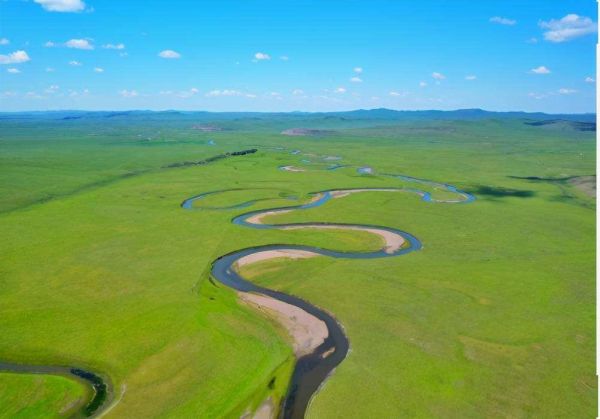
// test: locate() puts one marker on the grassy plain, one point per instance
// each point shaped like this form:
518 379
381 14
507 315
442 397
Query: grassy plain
102 269
31 395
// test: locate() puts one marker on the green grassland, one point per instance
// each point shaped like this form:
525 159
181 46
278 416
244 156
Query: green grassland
102 269
32 395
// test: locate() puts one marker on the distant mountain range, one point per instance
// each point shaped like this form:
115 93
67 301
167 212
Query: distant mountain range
460 114
359 114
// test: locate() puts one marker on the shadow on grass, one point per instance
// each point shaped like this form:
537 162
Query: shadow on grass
585 183
498 192
543 179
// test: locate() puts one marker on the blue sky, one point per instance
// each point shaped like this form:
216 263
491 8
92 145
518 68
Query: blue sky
310 55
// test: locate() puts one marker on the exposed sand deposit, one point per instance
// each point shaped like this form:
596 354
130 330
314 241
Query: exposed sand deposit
257 219
265 411
586 184
346 192
307 332
273 254
300 132
393 241
292 169
316 197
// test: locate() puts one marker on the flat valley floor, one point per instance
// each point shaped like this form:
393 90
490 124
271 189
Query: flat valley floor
104 271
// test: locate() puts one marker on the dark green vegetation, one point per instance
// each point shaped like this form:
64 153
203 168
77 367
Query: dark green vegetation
560 123
99 390
102 269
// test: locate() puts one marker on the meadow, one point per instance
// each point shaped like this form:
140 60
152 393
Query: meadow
103 270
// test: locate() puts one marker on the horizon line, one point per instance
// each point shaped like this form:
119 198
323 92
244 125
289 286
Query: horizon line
293 112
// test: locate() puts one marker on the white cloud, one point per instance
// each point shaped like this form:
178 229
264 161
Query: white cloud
13 70
396 94
358 70
540 70
79 44
590 80
16 57
123 54
532 40
98 70
562 91
471 77
250 95
52 89
75 63
62 5
565 91
340 90
422 84
129 93
188 93
226 92
297 92
113 46
260 56
4 41
438 76
231 93
33 95
183 94
284 58
75 93
324 97
356 79
169 54
49 70
569 27
503 21
49 44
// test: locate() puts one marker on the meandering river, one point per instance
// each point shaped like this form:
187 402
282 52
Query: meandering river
316 363
312 369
